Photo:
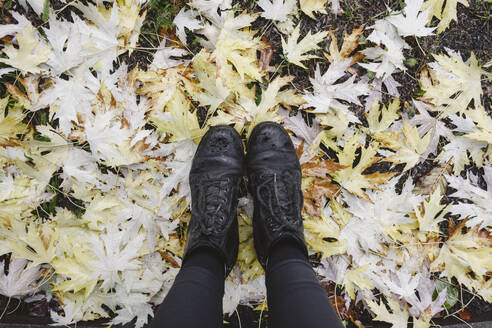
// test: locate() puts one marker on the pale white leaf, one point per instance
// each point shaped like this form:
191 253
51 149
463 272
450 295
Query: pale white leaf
410 21
277 10
19 282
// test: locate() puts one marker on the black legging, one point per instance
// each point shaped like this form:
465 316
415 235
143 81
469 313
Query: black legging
295 297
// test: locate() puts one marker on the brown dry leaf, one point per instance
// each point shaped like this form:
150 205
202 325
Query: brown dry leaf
318 184
300 149
32 99
464 314
266 55
350 43
435 178
169 34
313 195
338 303
167 257
320 169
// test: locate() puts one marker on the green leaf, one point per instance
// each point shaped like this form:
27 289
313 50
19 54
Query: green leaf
39 137
451 293
44 118
411 62
46 11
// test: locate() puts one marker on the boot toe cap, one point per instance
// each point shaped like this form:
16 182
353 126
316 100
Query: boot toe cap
270 143
220 150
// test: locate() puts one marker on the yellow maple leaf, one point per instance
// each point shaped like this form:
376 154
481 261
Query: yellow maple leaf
210 90
338 122
446 14
484 123
266 110
235 117
310 6
408 149
236 46
431 217
354 277
290 97
14 204
130 22
177 120
81 276
484 289
453 84
247 260
381 117
421 323
102 211
161 85
30 53
174 244
36 243
296 52
10 125
351 178
398 317
323 235
463 253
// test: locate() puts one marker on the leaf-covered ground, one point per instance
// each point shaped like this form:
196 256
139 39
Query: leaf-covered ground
388 105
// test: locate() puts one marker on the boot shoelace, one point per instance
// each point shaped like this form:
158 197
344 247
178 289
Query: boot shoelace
281 200
213 204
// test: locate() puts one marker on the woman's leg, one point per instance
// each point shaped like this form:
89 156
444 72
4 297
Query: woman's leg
295 296
195 299
212 238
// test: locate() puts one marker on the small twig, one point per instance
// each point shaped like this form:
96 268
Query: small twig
466 323
238 318
418 43
6 307
266 29
336 302
18 304
261 313
278 67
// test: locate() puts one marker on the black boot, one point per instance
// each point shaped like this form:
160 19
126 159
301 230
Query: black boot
274 180
215 175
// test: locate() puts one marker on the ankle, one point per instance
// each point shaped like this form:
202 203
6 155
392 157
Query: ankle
286 249
207 258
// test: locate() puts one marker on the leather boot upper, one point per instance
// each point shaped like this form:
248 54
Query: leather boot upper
274 180
215 175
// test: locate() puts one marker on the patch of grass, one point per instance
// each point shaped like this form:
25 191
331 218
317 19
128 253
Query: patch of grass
350 12
160 15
